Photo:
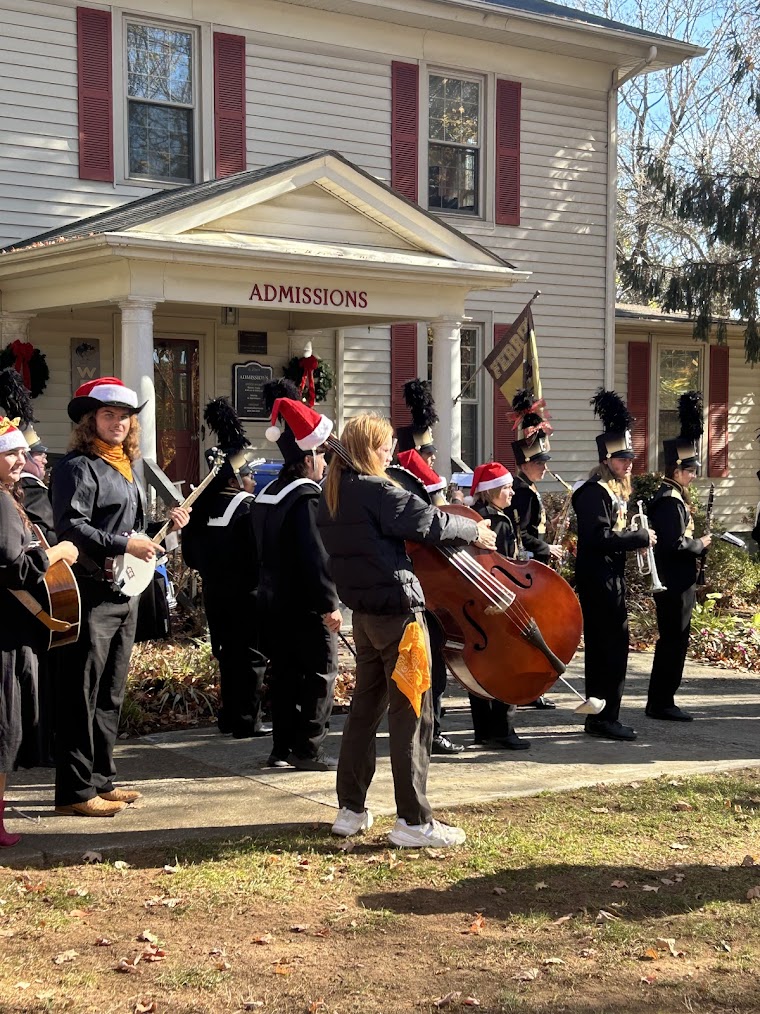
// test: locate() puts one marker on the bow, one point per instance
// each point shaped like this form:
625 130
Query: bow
542 426
23 351
308 364
8 424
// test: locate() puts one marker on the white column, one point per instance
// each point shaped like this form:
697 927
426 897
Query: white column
447 373
137 363
14 327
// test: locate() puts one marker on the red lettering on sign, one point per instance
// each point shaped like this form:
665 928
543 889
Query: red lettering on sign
363 300
255 293
269 293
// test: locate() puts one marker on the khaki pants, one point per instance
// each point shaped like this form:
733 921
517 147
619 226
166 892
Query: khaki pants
377 639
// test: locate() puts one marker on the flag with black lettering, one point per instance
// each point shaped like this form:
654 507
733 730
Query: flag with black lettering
513 362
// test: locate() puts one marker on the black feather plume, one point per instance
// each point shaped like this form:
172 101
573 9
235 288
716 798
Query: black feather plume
420 403
690 415
222 418
612 410
15 400
521 405
282 388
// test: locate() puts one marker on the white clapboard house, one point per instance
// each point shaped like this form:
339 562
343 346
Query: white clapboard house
191 192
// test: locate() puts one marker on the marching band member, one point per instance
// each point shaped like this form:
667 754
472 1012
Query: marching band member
676 556
434 486
365 519
23 638
218 542
99 505
419 435
296 599
600 505
36 495
493 721
531 451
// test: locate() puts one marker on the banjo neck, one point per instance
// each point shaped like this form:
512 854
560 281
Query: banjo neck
187 502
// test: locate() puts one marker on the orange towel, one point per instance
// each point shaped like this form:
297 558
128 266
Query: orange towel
412 672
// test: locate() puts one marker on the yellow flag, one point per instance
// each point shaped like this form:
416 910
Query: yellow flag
513 362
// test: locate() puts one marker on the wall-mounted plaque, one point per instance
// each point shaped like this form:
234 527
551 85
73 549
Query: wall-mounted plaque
252 343
85 361
248 381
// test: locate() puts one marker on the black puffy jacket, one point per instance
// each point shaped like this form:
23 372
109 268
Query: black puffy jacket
365 543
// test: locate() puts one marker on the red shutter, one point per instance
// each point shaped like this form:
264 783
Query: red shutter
403 368
717 416
508 152
405 131
229 104
95 95
503 434
639 358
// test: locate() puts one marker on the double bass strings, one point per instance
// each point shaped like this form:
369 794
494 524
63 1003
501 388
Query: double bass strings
499 596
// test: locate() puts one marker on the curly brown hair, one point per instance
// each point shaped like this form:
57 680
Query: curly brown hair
85 433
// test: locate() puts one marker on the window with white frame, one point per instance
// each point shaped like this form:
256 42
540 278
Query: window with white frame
678 370
454 143
470 349
161 102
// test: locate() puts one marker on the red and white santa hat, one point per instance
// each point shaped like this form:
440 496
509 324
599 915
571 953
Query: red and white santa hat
309 428
490 476
11 437
105 391
413 462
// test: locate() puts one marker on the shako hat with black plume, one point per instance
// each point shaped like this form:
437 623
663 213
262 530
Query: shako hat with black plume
533 429
418 436
683 451
616 441
15 400
222 419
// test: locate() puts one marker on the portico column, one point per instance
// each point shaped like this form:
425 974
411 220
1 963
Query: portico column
447 372
137 364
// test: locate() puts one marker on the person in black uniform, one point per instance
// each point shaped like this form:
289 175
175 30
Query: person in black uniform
418 436
676 555
296 599
99 505
218 542
600 506
492 489
531 451
35 493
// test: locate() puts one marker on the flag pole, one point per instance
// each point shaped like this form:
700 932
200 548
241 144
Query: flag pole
527 306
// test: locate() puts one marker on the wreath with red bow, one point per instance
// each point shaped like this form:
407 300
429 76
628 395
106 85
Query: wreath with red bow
313 377
29 362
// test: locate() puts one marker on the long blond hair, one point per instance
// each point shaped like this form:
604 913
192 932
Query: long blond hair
85 433
362 436
620 487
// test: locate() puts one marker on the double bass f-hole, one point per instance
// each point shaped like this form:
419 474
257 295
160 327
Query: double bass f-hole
513 577
476 626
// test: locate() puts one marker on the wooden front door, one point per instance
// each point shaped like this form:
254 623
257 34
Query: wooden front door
177 380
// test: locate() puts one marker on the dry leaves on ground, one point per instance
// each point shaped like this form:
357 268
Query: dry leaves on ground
527 975
64 957
477 924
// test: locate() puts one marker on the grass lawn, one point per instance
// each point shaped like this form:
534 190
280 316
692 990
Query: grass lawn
609 899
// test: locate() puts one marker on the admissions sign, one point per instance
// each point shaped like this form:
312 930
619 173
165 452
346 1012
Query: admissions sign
308 295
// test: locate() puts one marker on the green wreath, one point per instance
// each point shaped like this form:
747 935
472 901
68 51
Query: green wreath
39 372
324 377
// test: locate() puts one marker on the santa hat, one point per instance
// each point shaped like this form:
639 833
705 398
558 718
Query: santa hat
309 428
105 392
490 476
11 437
416 464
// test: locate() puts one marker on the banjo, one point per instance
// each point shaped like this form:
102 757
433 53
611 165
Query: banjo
129 574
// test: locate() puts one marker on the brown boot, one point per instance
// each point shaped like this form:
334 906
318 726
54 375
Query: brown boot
95 807
121 795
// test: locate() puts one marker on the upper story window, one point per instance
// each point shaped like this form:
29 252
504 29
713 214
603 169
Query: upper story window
678 371
161 102
454 144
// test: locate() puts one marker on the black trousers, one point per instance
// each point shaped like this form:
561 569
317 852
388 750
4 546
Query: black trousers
377 639
491 719
234 635
92 678
304 657
605 633
438 674
674 611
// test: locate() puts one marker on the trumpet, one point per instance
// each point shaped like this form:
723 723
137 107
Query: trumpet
645 557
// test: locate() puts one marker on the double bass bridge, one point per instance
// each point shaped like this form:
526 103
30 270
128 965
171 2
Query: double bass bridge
506 598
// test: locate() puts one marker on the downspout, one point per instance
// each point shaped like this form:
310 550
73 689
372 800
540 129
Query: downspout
611 251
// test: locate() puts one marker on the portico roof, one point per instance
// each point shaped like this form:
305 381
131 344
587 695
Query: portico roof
317 222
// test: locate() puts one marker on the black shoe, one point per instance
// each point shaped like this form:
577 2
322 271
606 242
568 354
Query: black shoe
245 728
510 742
673 714
222 724
273 761
609 730
442 744
319 763
543 704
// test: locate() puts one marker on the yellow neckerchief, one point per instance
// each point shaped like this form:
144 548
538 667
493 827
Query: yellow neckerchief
115 456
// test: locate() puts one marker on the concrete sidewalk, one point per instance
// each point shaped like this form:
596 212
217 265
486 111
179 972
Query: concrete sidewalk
199 784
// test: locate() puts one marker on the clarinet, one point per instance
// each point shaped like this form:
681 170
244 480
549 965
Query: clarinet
708 531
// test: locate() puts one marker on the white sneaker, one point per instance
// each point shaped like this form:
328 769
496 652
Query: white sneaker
433 834
349 822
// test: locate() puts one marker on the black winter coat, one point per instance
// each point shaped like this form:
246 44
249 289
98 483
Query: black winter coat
365 543
676 553
501 526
